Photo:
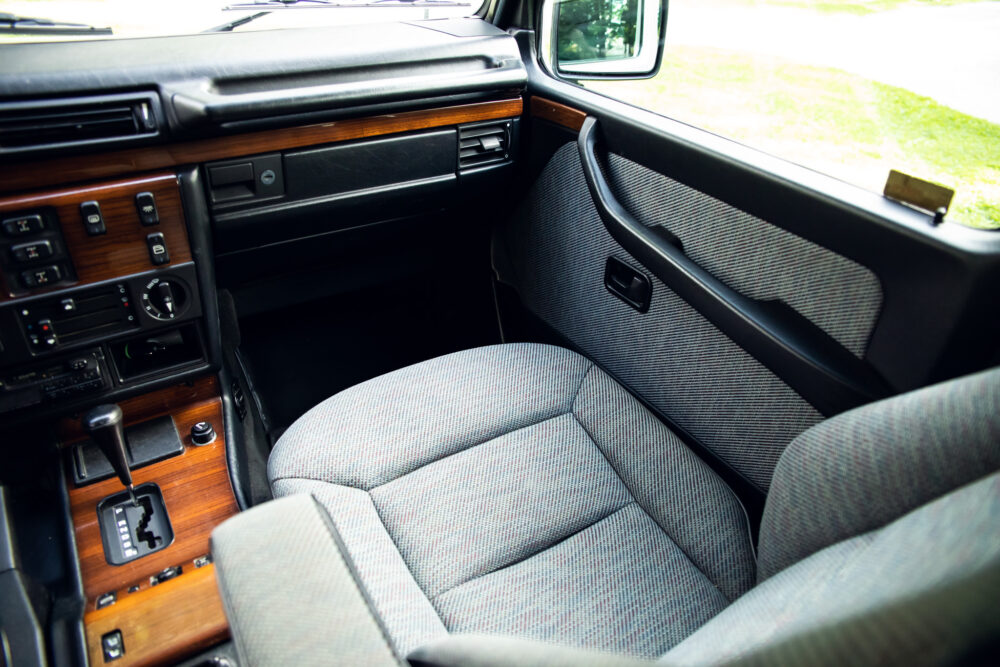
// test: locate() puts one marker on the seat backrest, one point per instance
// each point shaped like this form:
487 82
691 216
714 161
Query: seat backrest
880 541
865 468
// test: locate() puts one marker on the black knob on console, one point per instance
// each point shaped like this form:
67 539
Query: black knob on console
202 433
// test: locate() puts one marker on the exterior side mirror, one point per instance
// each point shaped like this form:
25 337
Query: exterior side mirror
603 39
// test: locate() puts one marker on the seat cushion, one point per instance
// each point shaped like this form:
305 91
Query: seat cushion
519 490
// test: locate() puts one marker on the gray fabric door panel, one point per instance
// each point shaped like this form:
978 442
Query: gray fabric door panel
753 257
671 356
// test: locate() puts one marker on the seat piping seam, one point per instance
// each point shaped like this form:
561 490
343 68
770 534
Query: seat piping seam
536 553
665 532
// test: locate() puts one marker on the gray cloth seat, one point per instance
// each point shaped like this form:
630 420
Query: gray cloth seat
518 491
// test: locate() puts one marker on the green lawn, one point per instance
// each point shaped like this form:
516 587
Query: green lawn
859 7
829 120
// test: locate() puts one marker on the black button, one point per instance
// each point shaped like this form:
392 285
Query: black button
106 600
157 249
40 277
93 222
27 252
23 225
145 203
112 645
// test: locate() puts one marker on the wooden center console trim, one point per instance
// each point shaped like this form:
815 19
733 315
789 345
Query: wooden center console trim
123 249
24 176
175 619
182 615
195 487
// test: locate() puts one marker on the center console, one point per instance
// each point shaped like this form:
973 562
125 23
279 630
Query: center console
102 302
99 295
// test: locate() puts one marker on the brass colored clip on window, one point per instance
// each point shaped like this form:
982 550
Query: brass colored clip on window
919 193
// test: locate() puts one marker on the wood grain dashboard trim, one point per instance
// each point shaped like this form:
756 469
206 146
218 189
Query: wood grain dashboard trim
557 113
122 250
26 176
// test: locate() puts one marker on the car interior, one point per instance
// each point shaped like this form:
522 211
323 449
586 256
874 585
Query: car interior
390 344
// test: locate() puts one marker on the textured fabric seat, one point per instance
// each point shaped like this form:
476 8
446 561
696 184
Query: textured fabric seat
517 491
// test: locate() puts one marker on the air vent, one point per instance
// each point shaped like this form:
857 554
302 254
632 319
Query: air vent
52 124
483 144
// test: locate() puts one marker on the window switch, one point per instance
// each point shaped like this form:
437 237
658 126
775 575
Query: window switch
158 254
23 225
27 252
145 203
106 600
93 221
112 645
41 276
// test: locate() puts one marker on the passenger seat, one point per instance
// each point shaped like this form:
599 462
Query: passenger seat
515 505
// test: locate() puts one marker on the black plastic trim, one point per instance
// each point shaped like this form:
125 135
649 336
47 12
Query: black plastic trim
809 360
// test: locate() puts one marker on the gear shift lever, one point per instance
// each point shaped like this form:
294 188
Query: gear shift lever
104 424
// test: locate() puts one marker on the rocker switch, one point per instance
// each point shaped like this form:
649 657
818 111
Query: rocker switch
158 254
145 204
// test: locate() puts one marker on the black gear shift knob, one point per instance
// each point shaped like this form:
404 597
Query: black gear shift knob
104 424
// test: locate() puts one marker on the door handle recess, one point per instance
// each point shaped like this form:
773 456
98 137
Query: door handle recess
804 356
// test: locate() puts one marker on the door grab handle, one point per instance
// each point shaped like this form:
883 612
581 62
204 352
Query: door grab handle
816 366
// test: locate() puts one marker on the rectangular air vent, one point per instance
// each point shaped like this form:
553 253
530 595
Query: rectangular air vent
483 144
50 124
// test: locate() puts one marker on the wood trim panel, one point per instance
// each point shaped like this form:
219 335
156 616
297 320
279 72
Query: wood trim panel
122 250
195 487
557 113
166 622
163 624
26 176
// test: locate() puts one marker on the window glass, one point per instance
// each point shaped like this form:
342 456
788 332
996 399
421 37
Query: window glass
150 18
852 88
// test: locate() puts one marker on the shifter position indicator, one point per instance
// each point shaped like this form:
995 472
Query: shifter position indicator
164 299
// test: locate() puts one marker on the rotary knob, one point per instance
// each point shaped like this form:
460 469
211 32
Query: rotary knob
164 299
202 433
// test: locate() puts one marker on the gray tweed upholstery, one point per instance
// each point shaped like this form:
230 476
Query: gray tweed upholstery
288 550
518 489
753 257
922 590
671 356
861 469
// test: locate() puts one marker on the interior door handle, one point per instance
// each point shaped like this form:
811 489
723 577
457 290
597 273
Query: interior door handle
816 366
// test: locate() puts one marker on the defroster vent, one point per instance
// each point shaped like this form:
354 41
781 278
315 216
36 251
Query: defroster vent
39 125
483 144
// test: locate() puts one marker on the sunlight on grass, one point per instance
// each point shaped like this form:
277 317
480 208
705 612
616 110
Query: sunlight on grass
828 120
859 7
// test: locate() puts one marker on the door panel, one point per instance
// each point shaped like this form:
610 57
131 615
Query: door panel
857 297
671 356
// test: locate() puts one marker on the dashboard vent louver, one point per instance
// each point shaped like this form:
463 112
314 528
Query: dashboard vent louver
483 144
51 124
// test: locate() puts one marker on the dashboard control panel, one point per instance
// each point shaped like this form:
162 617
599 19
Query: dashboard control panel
98 292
